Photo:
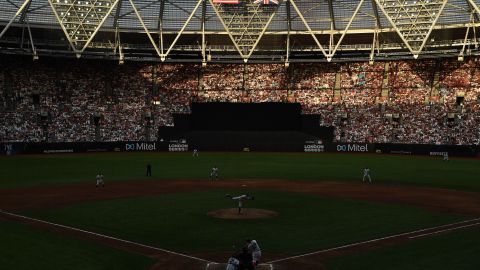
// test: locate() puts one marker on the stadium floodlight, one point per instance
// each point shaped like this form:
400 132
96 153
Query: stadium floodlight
245 22
413 20
80 21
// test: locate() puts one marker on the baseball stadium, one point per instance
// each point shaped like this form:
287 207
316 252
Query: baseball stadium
239 134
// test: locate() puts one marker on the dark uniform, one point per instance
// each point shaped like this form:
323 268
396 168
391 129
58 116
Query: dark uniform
149 170
246 260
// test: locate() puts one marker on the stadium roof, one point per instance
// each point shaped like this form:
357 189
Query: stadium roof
202 30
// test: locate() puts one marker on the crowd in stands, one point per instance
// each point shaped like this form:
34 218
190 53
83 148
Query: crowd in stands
223 77
58 100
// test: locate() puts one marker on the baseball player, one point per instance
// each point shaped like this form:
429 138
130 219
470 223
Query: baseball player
240 200
246 260
214 173
195 153
99 179
233 263
366 174
255 250
149 169
445 156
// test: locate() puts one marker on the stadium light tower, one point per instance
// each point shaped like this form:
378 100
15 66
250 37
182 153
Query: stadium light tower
80 20
413 20
245 22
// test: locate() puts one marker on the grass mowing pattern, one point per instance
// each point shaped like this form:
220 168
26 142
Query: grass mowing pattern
456 250
305 223
26 171
25 248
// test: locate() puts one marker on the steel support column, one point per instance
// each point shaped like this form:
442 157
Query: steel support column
19 11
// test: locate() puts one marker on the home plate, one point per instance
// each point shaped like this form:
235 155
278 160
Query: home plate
223 266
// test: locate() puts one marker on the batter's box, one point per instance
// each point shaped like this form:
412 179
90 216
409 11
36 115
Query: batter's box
223 266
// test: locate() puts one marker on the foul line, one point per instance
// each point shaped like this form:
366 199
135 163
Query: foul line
446 230
383 238
270 262
103 236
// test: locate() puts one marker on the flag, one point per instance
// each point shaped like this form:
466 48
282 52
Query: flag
235 2
267 2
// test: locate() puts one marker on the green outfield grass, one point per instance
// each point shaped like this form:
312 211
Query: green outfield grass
27 171
457 250
305 223
25 248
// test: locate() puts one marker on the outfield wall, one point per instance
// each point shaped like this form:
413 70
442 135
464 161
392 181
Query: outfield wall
296 145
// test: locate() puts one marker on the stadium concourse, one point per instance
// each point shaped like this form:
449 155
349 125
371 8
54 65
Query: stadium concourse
417 101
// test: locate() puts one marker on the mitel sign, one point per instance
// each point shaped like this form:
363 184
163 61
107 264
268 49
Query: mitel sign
140 146
352 147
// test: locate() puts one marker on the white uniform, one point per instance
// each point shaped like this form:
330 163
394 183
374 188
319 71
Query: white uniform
445 156
254 248
195 152
99 179
232 264
366 174
240 200
241 197
214 173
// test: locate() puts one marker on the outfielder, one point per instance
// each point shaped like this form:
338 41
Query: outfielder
240 200
214 173
366 174
99 179
195 153
445 156
255 250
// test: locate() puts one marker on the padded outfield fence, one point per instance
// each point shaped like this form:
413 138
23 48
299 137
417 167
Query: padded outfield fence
184 145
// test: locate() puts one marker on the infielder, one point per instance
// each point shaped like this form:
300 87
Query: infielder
366 174
240 200
214 173
255 250
99 179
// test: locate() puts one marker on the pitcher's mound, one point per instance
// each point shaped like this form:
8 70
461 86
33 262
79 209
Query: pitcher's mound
247 213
